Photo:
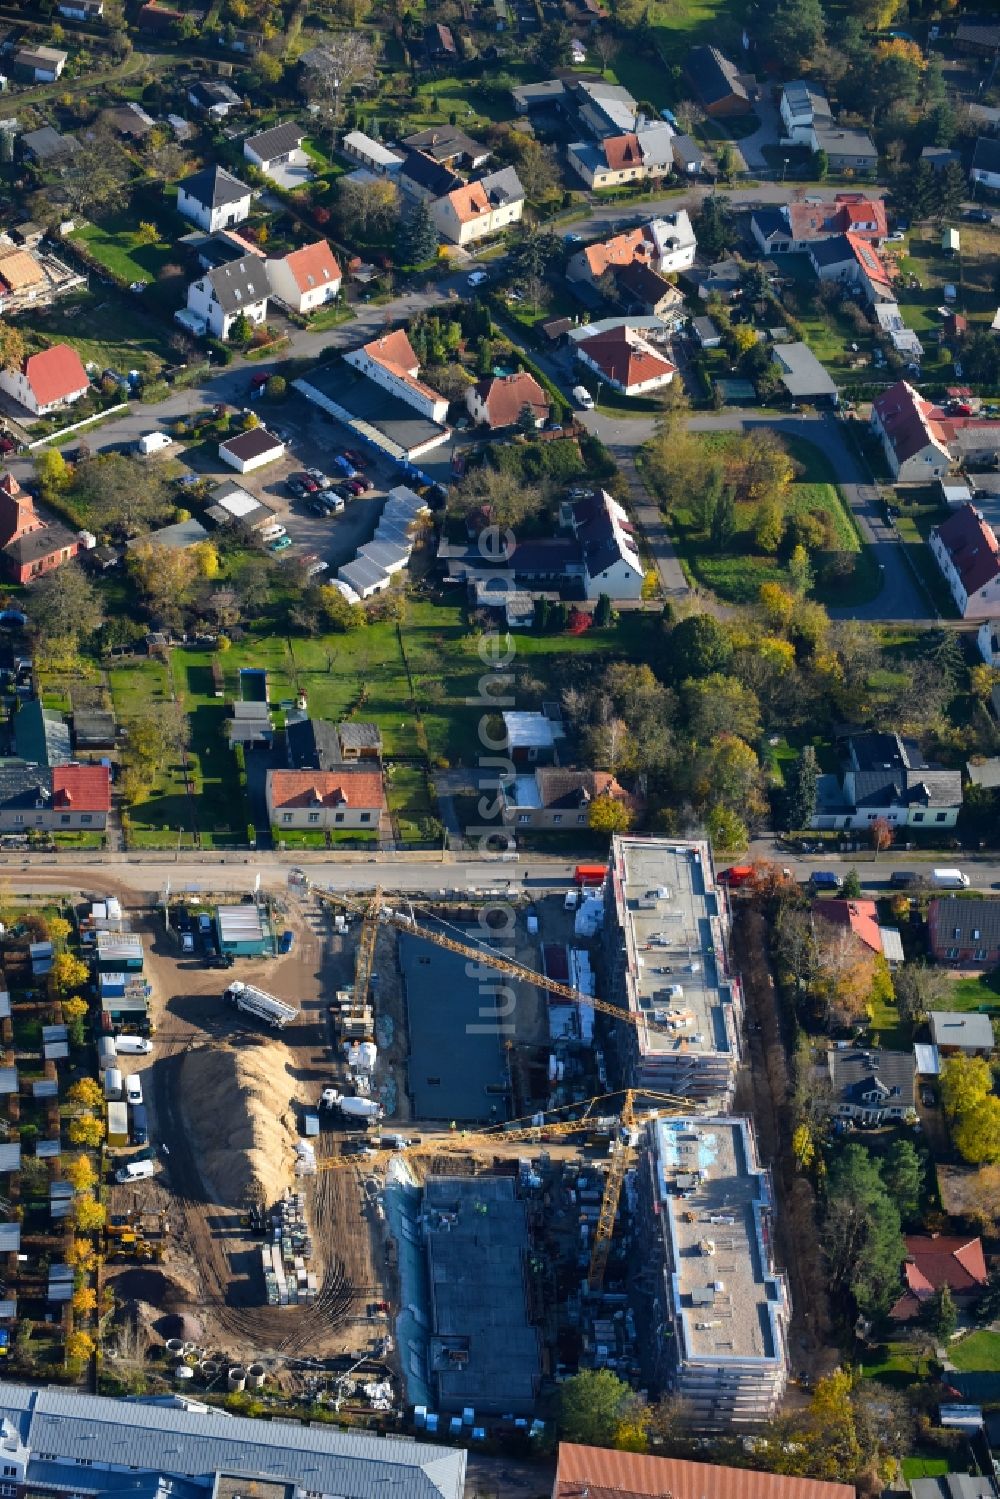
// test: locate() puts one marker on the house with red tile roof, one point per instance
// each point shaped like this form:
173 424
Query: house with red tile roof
603 1473
626 361
966 550
910 430
44 382
937 1260
322 800
30 545
307 278
81 796
550 798
857 916
499 400
389 361
475 210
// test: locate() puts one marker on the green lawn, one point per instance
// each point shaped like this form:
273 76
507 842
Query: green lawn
924 1465
409 802
115 243
899 1363
913 531
980 1351
107 328
982 993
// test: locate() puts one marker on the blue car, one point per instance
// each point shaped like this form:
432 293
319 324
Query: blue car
285 942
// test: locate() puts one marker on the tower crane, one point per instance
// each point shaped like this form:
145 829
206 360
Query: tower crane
375 911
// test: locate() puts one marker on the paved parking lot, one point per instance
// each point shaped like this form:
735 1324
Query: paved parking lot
313 439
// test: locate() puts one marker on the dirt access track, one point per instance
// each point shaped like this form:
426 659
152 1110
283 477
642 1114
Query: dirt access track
211 1268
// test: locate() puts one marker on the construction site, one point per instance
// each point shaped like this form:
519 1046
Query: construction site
354 1139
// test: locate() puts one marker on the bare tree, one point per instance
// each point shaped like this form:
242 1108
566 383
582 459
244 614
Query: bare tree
345 62
364 207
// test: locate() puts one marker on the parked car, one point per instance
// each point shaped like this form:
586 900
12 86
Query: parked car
476 278
978 216
281 545
187 942
133 1088
928 1098
356 487
286 942
364 482
319 507
345 465
7 444
204 923
317 475
358 459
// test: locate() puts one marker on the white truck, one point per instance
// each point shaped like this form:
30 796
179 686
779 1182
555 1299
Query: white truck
258 1002
949 879
153 442
351 1108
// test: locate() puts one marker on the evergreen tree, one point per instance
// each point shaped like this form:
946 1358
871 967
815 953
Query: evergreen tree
602 611
940 1314
800 792
951 190
418 238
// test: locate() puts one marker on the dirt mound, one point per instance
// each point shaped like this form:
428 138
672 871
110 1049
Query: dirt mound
179 1325
151 1286
242 1126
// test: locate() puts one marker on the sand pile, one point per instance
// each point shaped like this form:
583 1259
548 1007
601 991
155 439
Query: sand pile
242 1125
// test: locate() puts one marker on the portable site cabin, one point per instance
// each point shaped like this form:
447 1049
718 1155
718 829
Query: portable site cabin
119 952
244 930
117 1123
951 241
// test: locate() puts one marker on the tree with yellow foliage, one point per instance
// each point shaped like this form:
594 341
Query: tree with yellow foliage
67 973
608 815
59 930
777 605
80 1173
87 1093
82 1256
89 1215
903 50
79 1347
803 1146
87 1130
85 1300
206 554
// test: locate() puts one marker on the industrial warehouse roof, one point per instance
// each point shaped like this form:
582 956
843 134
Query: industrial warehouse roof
600 1472
243 923
166 1440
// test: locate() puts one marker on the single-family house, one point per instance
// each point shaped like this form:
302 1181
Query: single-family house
793 227
626 361
965 932
305 279
937 1260
221 295
965 548
847 150
885 777
674 242
81 797
46 381
802 375
689 159
499 401
478 209
214 98
911 435
389 361
940 157
532 738
251 449
424 180
605 108
352 797
439 44
959 1032
213 199
449 146
801 106
607 539
40 64
275 147
29 544
371 154
609 162
716 82
986 161
870 1085
861 918
551 799
851 259
641 290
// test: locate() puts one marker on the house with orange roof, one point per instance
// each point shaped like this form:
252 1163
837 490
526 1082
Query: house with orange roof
30 545
44 382
389 361
861 918
321 800
622 358
937 1260
81 796
499 401
307 278
911 434
475 210
603 1473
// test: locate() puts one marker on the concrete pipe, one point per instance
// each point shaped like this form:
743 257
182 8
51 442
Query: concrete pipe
255 1376
237 1378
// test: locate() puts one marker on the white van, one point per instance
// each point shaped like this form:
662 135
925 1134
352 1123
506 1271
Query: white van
949 879
273 531
583 398
572 900
133 1046
133 1089
134 1171
153 442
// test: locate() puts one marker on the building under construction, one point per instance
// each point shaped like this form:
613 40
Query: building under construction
712 1306
666 935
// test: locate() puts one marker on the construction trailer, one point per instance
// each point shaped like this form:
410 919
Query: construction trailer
244 930
117 1123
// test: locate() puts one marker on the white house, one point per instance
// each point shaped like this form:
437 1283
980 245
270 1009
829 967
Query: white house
44 382
305 279
499 401
623 359
351 797
214 199
674 242
911 434
802 105
251 449
607 541
478 209
218 297
966 550
986 161
274 147
389 361
43 64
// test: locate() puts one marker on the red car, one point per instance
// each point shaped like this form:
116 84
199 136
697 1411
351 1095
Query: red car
7 444
364 482
355 486
355 457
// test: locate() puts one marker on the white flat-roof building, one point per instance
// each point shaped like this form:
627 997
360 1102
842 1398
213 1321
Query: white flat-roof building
717 1333
666 933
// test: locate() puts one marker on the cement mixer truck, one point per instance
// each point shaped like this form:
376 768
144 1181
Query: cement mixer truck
352 1108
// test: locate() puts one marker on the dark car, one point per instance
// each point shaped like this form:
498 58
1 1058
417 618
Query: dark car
978 216
903 879
7 444
355 486
319 507
355 457
365 483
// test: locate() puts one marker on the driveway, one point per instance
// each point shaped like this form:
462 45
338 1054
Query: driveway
768 133
293 173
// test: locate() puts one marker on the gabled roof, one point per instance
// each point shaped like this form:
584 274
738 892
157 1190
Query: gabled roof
394 352
621 250
429 174
858 916
312 744
277 141
908 421
81 788
624 357
239 283
505 397
572 789
214 187
602 1473
605 533
55 374
869 259
19 269
713 75
24 786
972 546
937 1260
622 151
345 787
313 265
445 143
639 283
856 213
